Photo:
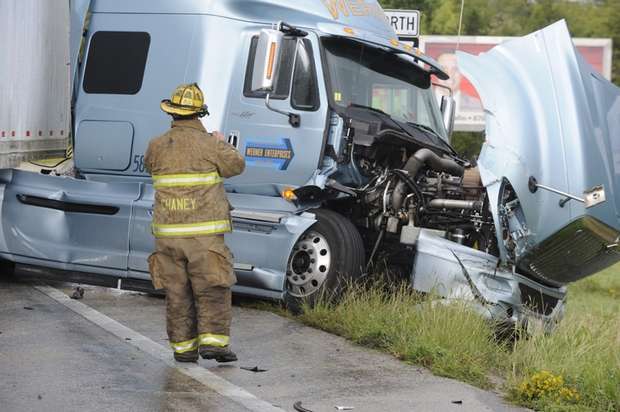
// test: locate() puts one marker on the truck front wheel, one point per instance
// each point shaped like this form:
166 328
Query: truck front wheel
324 258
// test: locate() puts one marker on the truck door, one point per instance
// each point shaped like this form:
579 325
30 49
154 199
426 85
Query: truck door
132 63
277 153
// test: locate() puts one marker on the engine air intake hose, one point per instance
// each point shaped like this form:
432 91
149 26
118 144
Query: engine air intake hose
423 157
427 157
455 204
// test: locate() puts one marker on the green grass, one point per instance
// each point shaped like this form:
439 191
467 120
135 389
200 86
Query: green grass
584 350
580 361
450 340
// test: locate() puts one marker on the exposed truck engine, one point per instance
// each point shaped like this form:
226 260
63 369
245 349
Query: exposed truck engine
407 186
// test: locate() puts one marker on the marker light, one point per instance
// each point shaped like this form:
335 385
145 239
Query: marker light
289 195
272 59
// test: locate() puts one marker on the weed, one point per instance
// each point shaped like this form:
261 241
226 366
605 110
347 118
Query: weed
545 385
575 368
451 340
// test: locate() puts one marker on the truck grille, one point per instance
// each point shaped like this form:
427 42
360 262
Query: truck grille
537 301
575 252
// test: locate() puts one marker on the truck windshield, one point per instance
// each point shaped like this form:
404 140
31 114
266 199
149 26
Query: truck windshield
378 78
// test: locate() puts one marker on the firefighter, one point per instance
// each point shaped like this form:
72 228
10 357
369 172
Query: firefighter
191 261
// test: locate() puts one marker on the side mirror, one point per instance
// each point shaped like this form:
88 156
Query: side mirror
266 64
448 107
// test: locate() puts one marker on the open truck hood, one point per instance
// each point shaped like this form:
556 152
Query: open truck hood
551 116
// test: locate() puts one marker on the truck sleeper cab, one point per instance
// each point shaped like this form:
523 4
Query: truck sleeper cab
348 161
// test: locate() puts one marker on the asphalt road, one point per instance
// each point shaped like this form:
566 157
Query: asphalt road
108 351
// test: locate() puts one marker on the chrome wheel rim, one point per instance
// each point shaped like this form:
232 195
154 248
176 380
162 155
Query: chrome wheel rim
308 265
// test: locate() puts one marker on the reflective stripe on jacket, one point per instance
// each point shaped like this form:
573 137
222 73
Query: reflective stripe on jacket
188 166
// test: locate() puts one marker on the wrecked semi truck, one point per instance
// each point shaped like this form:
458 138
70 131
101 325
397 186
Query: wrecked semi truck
348 156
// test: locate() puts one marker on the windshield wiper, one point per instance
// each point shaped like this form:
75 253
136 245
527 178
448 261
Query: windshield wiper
431 131
361 106
426 129
381 112
423 128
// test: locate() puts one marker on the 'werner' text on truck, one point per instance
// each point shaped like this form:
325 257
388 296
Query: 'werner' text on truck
348 157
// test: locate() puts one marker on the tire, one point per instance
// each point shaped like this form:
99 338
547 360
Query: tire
7 269
327 256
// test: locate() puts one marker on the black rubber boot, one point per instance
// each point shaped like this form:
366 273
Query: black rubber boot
221 355
186 357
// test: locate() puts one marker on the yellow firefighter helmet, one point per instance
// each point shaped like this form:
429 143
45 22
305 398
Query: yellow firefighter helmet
187 100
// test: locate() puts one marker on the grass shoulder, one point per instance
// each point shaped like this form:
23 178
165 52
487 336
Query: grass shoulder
575 368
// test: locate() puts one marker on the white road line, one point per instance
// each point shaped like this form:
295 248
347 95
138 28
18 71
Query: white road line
198 373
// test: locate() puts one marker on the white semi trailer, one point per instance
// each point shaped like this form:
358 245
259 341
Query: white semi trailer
35 80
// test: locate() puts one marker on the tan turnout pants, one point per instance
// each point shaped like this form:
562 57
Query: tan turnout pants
197 274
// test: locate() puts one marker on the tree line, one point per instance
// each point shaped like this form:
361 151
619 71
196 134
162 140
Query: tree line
518 17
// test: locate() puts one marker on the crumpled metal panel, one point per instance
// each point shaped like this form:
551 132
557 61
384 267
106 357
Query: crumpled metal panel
456 272
552 116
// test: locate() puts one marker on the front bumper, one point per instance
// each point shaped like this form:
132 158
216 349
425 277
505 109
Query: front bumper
454 271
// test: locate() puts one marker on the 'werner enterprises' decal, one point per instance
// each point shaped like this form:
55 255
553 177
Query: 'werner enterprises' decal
354 8
275 155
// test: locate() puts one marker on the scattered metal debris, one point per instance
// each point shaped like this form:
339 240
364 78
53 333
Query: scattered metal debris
255 369
300 408
78 293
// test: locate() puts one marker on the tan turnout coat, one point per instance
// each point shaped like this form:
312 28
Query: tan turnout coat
188 165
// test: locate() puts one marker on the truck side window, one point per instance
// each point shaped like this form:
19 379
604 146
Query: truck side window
283 85
116 62
305 95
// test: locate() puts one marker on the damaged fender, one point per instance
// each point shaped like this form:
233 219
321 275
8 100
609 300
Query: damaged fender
467 274
551 120
550 165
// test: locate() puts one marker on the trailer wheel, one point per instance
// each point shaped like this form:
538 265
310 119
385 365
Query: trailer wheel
330 253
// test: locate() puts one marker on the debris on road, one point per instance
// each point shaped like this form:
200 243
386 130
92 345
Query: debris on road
255 369
457 402
28 308
300 408
78 293
345 408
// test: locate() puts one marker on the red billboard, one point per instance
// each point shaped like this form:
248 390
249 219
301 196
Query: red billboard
469 112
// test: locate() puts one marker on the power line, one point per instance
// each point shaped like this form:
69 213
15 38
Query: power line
458 39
